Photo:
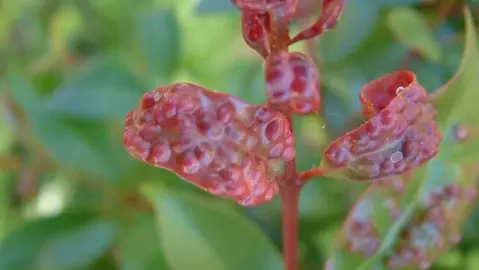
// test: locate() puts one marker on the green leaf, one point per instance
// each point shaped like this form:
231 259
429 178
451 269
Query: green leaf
159 40
139 248
410 27
102 89
84 146
78 247
211 7
400 2
21 248
246 81
360 15
199 235
396 207
453 101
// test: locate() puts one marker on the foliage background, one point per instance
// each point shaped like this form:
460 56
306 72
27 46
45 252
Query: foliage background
72 198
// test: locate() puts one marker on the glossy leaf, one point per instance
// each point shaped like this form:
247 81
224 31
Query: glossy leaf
139 248
218 237
102 89
79 247
159 40
84 146
21 248
410 28
409 221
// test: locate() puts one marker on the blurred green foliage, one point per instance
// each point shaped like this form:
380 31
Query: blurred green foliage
72 198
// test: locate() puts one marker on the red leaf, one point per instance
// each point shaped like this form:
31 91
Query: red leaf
401 133
266 5
292 83
255 26
330 16
265 23
212 140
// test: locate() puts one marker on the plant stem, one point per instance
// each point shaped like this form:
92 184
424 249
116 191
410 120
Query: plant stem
279 32
289 194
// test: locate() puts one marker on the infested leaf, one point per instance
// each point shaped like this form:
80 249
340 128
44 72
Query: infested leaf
212 140
292 83
408 221
400 134
255 31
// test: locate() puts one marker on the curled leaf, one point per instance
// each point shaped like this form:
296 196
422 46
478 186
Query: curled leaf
419 217
212 140
278 14
292 83
254 26
330 16
401 133
288 6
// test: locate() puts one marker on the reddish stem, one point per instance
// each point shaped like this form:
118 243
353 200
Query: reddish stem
310 174
279 29
289 194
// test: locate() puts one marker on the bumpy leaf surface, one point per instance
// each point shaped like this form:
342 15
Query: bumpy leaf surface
401 133
254 26
212 140
408 221
292 83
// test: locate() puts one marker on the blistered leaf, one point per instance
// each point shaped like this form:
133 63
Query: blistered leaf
213 140
292 83
255 33
400 134
408 221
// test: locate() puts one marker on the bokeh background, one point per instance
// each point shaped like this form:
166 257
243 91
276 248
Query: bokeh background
72 198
